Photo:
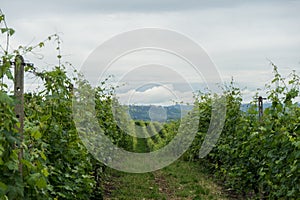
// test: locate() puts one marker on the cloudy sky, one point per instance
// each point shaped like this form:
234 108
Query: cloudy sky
239 37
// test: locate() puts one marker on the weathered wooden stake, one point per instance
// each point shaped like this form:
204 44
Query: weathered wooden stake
260 107
19 108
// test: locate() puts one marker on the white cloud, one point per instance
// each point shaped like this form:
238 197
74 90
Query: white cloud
157 95
238 36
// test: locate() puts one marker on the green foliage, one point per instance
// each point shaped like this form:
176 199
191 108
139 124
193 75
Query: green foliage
253 156
55 163
10 31
11 185
68 163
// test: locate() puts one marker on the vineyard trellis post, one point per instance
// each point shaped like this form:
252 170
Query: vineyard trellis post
19 107
260 107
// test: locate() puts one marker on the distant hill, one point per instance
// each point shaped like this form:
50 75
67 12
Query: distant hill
158 113
246 106
168 113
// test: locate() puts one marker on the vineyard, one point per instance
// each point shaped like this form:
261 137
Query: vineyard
256 158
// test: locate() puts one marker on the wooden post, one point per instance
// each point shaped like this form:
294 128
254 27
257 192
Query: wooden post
19 108
260 107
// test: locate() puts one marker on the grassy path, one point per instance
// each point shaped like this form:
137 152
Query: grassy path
181 180
141 146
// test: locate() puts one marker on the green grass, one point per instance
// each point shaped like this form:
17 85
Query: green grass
141 146
181 180
133 186
187 180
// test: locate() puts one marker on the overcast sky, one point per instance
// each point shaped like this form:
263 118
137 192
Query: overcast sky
239 37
